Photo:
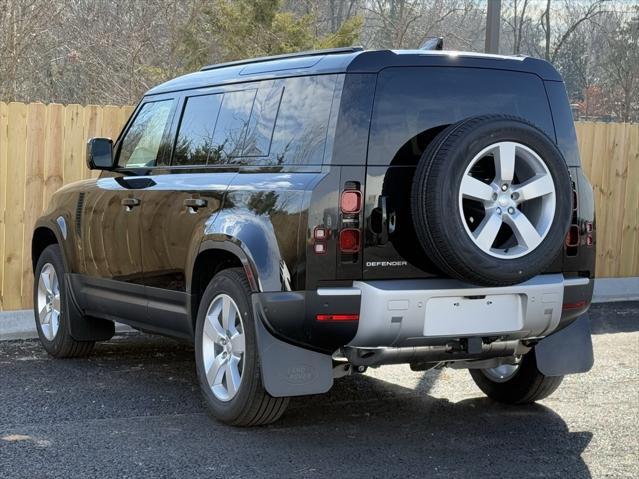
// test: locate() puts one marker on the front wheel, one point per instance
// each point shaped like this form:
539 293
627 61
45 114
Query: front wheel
226 354
520 383
51 309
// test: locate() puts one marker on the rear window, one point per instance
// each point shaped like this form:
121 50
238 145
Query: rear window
412 100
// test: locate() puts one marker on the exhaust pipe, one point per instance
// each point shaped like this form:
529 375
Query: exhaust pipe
422 354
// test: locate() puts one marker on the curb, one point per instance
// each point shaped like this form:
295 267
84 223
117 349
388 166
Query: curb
21 324
609 290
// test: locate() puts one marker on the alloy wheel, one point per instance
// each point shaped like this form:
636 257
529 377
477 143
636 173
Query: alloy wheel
49 301
223 347
501 373
507 200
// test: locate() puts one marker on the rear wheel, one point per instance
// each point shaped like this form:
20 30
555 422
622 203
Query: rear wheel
520 383
50 308
226 354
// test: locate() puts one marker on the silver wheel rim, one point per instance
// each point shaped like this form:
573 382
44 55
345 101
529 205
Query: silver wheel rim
502 373
520 195
49 301
223 347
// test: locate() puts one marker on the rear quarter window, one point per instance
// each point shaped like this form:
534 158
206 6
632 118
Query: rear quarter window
410 100
301 127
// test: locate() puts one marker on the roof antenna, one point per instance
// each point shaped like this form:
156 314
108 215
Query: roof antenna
432 43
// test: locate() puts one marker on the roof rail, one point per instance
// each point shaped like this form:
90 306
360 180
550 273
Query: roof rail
326 51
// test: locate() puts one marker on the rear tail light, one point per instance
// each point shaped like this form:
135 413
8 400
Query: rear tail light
347 235
337 317
320 248
590 229
349 240
351 201
320 234
350 205
572 238
578 235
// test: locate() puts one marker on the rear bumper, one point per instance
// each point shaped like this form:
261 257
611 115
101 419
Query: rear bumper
410 313
419 312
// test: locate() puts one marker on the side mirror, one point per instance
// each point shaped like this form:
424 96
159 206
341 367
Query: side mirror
100 154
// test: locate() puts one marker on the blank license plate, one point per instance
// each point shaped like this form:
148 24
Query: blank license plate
459 315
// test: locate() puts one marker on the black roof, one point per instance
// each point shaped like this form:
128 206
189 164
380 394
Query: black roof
348 60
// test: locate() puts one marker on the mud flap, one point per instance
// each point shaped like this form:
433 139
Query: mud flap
568 351
85 328
289 370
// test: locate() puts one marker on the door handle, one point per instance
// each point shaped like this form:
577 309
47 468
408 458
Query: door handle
130 203
195 203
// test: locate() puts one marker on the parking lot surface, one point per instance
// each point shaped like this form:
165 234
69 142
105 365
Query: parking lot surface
133 409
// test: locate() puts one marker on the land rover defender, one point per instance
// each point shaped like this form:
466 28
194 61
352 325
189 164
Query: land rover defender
303 217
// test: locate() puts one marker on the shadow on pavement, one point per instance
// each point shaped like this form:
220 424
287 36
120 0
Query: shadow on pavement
471 438
136 402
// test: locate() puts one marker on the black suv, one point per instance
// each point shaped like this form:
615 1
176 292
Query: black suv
303 217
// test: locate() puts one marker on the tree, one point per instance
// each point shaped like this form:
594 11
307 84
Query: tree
564 29
248 28
621 67
516 22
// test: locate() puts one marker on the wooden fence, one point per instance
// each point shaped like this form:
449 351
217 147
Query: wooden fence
42 147
610 158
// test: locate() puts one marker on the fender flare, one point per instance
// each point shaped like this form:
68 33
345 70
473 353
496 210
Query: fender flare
253 241
230 246
54 227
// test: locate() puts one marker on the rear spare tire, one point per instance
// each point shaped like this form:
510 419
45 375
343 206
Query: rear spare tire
492 200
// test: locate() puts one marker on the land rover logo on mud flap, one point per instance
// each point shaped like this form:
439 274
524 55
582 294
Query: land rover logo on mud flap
375 264
300 374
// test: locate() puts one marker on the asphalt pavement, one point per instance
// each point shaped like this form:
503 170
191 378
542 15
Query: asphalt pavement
133 409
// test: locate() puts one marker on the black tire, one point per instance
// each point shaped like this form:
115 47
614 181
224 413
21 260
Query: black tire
251 405
62 345
435 192
526 386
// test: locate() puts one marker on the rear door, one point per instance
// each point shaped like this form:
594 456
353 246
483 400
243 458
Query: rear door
187 194
411 106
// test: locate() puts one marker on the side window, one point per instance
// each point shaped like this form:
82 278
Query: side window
231 126
262 121
213 128
194 142
280 122
141 144
302 122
